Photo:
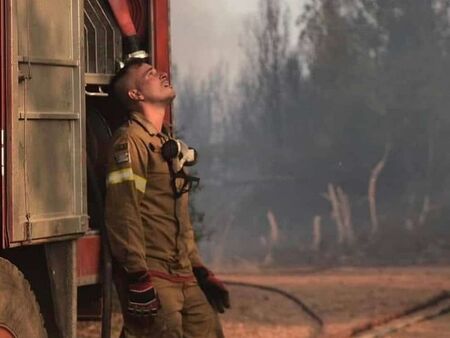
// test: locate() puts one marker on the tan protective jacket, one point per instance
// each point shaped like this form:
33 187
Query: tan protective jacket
148 228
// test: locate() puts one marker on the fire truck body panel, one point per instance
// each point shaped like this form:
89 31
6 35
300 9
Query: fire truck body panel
46 175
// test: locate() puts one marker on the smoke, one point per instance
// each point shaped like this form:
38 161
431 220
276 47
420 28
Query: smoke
205 33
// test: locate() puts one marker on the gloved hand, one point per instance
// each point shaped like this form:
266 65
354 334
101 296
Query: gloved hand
132 45
214 290
143 299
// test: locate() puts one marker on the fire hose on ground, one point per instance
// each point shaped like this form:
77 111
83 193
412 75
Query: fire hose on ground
434 307
311 314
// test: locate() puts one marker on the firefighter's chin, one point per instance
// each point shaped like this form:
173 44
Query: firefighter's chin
168 99
172 95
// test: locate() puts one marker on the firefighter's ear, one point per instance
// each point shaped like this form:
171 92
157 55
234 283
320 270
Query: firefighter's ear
135 95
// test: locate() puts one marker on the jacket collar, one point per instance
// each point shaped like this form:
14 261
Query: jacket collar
146 124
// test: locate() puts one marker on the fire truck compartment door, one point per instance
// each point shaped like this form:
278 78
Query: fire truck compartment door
47 185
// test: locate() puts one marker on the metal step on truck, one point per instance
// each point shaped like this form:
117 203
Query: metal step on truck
57 58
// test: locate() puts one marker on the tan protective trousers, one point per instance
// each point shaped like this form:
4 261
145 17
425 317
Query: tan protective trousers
185 313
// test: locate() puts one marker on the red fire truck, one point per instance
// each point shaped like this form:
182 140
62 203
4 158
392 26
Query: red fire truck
57 57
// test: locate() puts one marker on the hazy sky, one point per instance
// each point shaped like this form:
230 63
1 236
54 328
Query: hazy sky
206 32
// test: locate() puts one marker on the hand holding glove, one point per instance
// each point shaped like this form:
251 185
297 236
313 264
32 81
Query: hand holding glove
143 299
214 290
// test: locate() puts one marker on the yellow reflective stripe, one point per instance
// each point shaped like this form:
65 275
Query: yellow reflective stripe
125 175
120 176
140 183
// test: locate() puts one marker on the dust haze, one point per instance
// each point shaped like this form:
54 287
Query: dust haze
323 138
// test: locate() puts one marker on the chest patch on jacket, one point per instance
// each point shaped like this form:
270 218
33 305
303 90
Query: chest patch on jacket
121 154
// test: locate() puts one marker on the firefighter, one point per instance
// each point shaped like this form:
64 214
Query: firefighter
164 288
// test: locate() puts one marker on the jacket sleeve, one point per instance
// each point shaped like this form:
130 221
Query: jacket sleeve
125 188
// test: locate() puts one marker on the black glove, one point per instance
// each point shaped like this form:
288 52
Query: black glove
132 43
143 299
214 290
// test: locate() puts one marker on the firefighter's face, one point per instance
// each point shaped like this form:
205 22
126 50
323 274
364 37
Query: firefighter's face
153 86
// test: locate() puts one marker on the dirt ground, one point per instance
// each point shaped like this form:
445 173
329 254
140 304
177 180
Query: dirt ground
344 298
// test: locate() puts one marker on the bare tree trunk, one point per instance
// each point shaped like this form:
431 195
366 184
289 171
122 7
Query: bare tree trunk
428 184
346 212
372 191
425 210
336 213
272 239
317 233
